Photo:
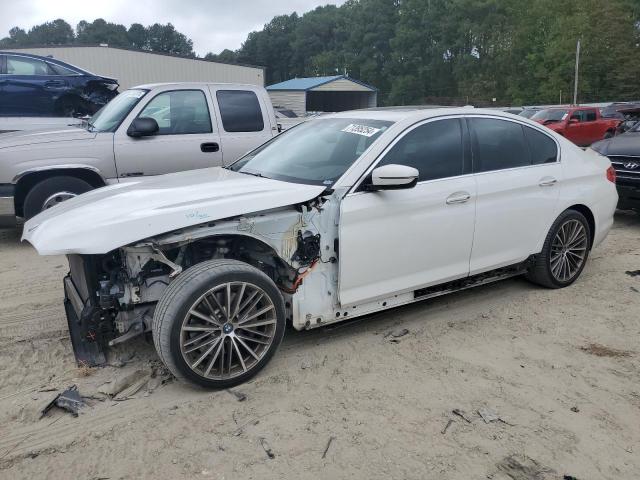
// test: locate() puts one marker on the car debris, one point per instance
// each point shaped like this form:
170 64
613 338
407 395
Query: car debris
462 414
521 467
267 448
241 397
575 409
326 449
489 415
633 273
69 400
446 427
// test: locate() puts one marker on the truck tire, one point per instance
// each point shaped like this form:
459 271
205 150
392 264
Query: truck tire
218 323
608 134
564 253
51 191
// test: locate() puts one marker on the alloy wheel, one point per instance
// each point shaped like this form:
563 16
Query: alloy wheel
568 250
228 330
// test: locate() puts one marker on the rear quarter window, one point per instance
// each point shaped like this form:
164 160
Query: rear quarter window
240 111
543 148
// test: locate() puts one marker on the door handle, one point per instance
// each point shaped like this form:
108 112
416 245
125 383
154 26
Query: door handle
548 182
209 147
54 83
458 197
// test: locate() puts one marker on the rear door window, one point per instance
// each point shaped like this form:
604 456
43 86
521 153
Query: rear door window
590 115
498 145
179 112
26 66
240 111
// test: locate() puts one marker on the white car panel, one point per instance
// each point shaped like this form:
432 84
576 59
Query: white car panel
514 208
110 217
399 240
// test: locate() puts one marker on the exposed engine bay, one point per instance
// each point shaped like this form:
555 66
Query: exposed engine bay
111 298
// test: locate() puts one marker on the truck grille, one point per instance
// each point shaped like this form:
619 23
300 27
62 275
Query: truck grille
627 169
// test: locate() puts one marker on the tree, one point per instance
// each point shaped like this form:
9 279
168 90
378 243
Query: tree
166 39
137 36
100 31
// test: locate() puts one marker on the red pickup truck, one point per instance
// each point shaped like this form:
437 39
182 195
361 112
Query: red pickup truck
581 125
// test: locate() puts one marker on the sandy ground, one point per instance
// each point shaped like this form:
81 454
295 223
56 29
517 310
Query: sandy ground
561 368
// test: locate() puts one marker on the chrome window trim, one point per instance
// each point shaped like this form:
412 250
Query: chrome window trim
353 190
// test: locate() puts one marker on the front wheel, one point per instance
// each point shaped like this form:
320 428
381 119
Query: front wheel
564 253
219 323
52 191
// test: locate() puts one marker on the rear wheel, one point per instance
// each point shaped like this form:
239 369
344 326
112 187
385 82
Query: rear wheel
52 191
564 253
608 134
219 323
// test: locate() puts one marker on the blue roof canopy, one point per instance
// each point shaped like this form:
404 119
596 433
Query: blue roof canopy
308 83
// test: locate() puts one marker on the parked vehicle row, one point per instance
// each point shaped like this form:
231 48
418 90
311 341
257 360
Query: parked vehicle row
581 125
35 86
339 217
145 131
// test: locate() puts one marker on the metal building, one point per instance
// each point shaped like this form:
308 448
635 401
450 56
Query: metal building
137 67
323 94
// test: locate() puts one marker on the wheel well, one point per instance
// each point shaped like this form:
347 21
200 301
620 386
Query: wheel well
584 210
27 182
243 248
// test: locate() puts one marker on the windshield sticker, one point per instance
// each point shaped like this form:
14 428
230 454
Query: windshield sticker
361 130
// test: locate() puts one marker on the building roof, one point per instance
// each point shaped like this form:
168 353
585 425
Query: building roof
10 49
309 83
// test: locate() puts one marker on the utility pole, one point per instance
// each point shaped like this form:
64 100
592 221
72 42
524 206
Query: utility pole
575 85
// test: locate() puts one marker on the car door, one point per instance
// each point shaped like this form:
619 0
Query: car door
244 122
593 129
3 80
187 138
518 177
400 240
31 87
577 131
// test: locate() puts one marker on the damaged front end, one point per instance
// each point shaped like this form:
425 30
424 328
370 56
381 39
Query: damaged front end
111 298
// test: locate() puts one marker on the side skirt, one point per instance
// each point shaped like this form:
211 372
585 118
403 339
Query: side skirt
423 294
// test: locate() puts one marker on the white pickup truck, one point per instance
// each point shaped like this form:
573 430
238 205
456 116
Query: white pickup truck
144 131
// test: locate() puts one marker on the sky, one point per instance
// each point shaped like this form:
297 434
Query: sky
212 25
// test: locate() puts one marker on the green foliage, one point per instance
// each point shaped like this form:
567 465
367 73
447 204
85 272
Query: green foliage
460 51
156 38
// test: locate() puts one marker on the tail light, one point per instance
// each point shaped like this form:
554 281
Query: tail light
611 174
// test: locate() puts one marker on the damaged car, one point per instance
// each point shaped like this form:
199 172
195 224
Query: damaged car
339 217
36 86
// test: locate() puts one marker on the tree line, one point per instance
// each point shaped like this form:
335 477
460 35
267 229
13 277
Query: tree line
422 51
155 38
459 51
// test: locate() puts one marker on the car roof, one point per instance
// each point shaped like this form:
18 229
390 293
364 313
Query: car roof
46 59
397 114
151 86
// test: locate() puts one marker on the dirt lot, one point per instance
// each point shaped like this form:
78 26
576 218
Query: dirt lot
561 368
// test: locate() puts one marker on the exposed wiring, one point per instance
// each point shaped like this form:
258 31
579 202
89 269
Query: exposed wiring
300 277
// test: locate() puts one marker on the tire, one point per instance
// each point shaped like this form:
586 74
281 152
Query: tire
608 134
547 270
196 356
46 190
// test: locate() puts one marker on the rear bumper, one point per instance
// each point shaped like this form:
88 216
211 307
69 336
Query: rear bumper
7 206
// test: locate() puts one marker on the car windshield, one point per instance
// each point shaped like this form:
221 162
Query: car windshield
550 115
109 117
316 152
528 113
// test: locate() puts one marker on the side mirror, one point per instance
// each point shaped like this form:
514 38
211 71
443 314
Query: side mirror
393 177
143 127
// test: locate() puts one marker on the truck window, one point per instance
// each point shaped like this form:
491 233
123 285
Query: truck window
240 111
179 112
591 116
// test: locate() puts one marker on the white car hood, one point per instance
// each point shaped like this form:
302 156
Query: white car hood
111 217
35 137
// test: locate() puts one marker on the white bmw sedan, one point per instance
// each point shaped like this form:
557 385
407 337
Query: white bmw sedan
339 217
